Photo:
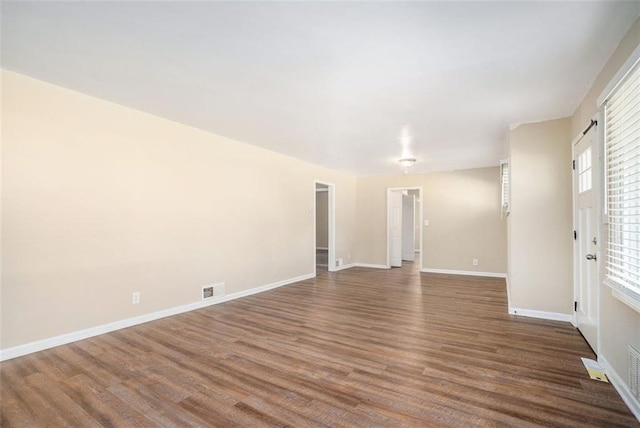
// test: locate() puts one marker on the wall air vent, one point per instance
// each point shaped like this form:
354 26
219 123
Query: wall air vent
634 371
212 291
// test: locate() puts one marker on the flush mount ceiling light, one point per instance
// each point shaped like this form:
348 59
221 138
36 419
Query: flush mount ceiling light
407 162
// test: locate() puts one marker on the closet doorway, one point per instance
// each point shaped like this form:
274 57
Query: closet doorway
404 225
324 226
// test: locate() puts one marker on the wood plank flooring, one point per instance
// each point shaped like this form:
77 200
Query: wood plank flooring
360 347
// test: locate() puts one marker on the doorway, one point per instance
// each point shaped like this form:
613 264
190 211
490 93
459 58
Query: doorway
586 235
324 227
404 225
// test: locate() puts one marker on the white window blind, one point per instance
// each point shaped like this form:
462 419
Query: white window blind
622 142
504 181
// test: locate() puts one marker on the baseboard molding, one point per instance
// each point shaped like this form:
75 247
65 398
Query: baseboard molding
370 265
343 267
322 248
465 272
553 316
623 389
506 283
40 345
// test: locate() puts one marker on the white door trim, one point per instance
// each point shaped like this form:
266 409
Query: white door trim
331 226
420 195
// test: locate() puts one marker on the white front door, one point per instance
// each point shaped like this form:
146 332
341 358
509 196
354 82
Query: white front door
408 228
395 245
586 243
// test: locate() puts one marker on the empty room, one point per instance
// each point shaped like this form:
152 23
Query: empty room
305 214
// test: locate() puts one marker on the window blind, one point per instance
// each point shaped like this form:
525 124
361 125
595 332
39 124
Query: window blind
504 180
622 140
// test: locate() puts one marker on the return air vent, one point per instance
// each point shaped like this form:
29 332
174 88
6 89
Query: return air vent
634 371
211 291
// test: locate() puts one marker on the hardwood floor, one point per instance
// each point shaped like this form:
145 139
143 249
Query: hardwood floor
322 257
359 347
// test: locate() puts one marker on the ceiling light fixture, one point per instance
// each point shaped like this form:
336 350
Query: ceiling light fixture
407 162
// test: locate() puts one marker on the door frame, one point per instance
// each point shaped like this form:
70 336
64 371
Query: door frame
421 216
331 225
598 187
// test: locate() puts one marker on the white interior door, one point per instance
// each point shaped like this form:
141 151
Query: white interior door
586 221
408 228
395 244
418 221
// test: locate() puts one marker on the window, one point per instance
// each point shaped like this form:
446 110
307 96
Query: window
504 182
622 143
585 179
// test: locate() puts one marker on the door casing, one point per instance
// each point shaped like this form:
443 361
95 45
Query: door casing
331 225
420 214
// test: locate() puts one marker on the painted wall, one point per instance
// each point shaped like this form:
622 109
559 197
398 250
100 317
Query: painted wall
322 219
540 221
619 324
463 209
100 201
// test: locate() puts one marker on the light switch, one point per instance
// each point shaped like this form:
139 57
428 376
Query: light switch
426 222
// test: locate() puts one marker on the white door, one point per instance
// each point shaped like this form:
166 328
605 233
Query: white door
395 244
408 228
586 223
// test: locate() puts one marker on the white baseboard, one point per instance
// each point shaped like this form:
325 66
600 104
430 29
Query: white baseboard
322 248
372 266
40 345
553 316
620 385
465 272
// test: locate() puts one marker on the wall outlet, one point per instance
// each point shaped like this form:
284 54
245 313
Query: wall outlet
135 298
475 262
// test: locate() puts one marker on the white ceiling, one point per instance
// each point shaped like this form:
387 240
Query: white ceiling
338 84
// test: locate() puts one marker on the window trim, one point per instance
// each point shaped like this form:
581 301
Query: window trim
626 295
618 78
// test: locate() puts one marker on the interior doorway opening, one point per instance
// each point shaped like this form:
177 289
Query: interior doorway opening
404 225
324 227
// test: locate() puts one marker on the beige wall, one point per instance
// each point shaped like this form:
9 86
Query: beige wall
619 324
322 219
463 209
100 201
540 221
